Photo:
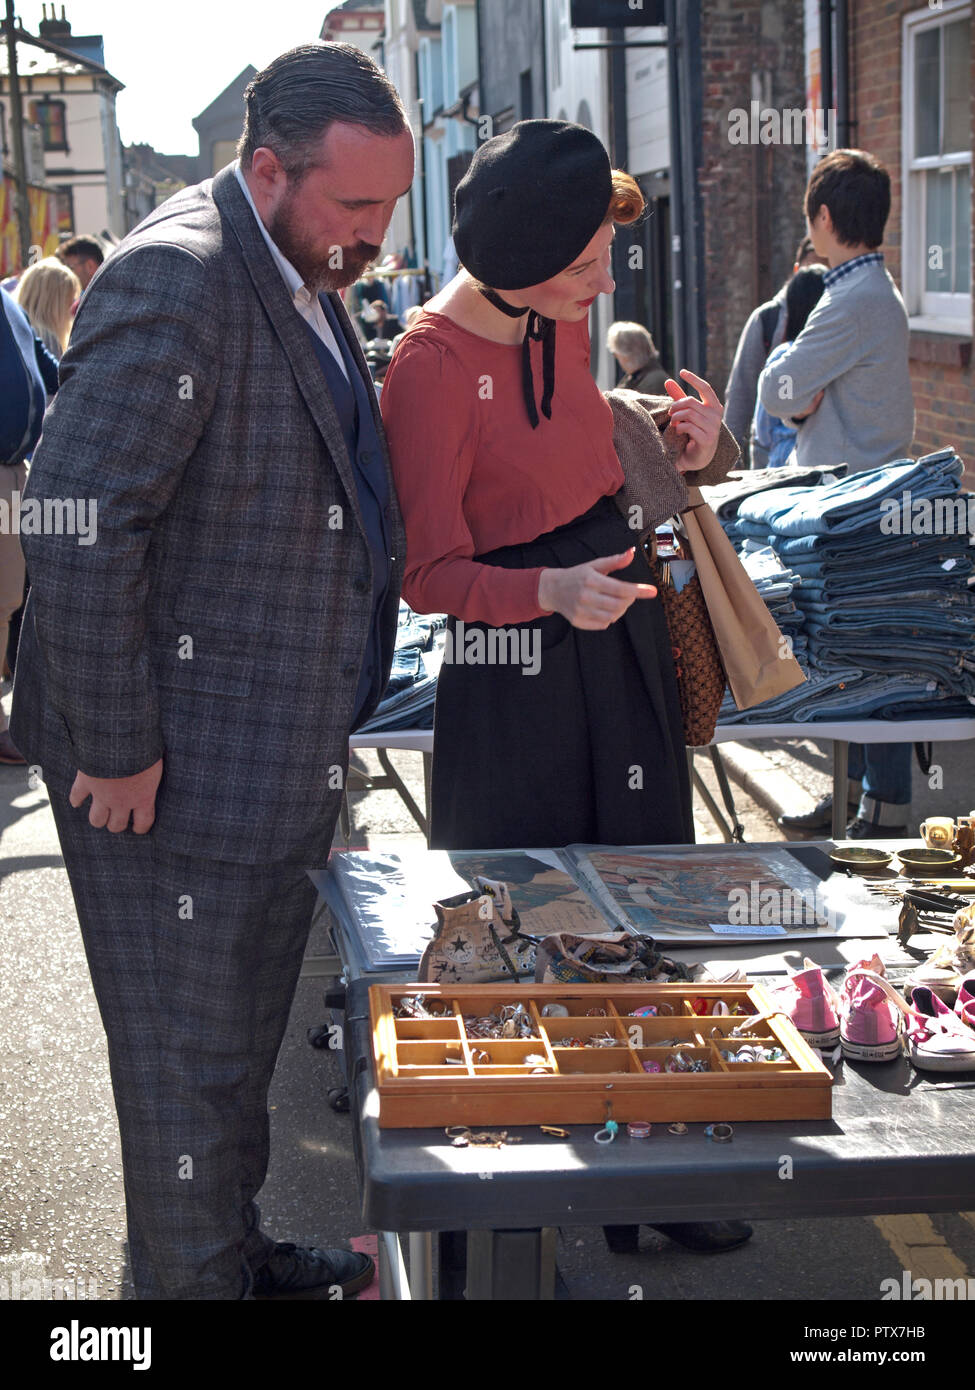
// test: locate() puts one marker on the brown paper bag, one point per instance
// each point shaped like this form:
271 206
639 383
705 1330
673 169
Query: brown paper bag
756 659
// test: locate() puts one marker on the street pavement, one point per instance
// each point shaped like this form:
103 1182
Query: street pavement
61 1200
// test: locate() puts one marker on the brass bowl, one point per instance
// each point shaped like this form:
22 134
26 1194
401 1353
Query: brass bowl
925 862
860 859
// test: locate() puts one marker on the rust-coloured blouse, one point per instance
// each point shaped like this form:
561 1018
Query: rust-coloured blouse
472 474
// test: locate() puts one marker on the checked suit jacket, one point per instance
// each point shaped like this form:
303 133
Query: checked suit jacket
221 616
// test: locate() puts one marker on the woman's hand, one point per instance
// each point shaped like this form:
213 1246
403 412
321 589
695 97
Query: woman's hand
587 596
698 421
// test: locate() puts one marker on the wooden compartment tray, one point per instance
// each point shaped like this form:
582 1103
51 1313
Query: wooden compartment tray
430 1072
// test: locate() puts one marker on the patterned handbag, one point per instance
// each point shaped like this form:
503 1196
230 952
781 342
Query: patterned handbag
701 679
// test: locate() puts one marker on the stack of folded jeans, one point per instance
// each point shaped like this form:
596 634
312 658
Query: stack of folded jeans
775 582
725 498
409 697
881 564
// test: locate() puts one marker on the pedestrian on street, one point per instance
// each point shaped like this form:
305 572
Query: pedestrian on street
850 394
189 682
777 436
510 519
28 376
764 330
634 349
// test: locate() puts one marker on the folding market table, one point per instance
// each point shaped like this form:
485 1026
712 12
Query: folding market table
898 1141
840 733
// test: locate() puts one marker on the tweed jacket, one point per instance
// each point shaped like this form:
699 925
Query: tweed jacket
220 618
648 457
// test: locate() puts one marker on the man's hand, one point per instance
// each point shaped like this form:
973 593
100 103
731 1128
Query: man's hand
698 421
114 799
587 596
817 402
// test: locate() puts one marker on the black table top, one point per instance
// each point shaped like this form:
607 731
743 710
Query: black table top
899 1141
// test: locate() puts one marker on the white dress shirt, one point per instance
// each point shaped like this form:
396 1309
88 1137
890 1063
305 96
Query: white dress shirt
305 302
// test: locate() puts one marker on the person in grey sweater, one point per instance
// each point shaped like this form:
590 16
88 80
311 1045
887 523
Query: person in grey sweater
852 352
762 332
845 382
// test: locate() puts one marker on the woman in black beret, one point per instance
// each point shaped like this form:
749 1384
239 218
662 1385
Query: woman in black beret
557 717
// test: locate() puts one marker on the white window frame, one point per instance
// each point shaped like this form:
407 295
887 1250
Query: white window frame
940 313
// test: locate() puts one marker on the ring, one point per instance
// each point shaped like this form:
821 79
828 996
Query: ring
607 1135
678 1128
719 1134
639 1129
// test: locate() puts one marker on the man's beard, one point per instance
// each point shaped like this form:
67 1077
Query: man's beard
340 267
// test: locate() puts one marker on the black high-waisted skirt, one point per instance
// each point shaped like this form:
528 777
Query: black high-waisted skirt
547 734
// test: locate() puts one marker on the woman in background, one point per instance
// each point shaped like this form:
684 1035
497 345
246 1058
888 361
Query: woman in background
804 291
46 292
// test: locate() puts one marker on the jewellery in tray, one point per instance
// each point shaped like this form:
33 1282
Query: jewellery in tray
639 1129
480 1058
536 1059
719 1134
651 1011
417 1006
511 1021
570 1042
652 1067
680 1062
555 1011
677 1128
595 1013
754 1052
603 1040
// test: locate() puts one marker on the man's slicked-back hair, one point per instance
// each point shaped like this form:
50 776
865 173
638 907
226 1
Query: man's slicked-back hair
292 102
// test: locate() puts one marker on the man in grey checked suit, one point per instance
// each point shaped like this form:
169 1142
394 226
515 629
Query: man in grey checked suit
200 666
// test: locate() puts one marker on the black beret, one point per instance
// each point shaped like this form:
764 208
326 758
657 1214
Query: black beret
530 202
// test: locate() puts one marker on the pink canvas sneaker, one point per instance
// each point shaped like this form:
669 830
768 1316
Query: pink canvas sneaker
869 1026
935 1038
965 1003
811 1004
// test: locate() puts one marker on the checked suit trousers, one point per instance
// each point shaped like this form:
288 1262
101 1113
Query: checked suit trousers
194 964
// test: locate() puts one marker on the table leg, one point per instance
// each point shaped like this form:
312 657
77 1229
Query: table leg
511 1265
427 783
421 1265
841 750
394 1284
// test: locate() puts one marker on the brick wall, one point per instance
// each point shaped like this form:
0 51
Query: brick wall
751 194
941 367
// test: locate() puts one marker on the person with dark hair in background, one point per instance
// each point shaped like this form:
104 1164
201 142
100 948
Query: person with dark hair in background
849 392
83 255
762 332
199 670
803 292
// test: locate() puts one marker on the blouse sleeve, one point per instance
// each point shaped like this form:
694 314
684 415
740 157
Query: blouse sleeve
429 408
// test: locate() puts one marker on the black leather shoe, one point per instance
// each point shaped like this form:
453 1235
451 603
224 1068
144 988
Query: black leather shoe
294 1271
704 1237
819 818
707 1237
859 829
